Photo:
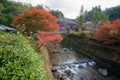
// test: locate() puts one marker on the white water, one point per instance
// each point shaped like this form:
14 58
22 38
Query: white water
74 71
76 67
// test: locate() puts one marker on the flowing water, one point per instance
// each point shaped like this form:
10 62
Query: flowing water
73 66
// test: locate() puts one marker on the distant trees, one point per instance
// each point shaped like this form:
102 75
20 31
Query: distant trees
57 13
96 15
113 13
39 7
8 10
109 33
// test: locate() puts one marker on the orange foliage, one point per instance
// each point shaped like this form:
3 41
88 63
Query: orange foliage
42 21
46 37
116 23
36 19
108 33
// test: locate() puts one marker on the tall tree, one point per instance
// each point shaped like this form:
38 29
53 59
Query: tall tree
81 17
96 18
105 17
41 21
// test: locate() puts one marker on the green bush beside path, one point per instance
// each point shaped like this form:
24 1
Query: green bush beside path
18 61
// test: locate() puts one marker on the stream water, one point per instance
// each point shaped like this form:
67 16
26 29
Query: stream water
74 66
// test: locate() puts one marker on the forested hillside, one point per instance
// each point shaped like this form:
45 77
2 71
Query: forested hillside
9 9
114 13
98 16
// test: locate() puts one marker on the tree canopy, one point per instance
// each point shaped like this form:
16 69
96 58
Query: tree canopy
113 13
109 33
96 15
9 9
81 17
57 13
36 19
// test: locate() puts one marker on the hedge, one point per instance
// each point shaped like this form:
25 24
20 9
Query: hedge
18 61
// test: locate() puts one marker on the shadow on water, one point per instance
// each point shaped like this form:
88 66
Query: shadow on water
73 66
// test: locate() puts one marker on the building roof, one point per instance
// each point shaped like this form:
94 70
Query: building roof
2 27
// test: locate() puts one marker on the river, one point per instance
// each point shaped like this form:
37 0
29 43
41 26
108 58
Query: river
70 65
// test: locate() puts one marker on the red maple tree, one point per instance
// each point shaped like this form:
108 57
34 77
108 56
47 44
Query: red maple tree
36 19
41 21
108 33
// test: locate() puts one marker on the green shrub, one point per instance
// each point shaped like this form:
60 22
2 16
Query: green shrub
18 61
84 35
